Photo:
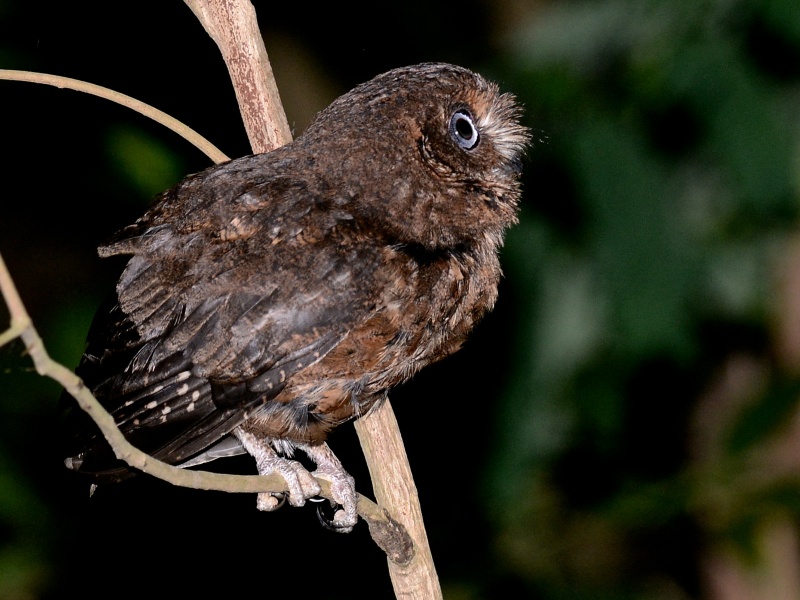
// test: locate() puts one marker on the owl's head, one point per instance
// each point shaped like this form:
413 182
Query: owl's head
439 149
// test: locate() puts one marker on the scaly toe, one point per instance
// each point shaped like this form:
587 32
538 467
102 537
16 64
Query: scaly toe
343 491
269 501
300 482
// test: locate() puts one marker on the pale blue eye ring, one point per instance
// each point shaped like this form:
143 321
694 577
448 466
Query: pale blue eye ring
463 130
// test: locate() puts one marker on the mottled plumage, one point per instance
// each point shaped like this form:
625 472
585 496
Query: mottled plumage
279 295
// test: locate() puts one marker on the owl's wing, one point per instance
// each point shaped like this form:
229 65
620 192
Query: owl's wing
212 315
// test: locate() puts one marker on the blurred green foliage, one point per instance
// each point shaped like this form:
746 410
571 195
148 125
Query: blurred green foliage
147 164
633 395
671 127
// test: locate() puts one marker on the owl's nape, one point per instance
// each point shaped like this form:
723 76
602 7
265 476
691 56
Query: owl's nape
272 298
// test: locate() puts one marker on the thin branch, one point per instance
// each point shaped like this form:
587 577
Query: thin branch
383 529
158 116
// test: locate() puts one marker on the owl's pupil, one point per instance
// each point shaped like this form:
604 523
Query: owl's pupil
463 130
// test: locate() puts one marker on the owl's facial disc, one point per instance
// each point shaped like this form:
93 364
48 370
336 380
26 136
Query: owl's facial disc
463 130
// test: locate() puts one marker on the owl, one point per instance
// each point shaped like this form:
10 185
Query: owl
267 300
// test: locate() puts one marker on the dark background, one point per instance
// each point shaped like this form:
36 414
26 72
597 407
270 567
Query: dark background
624 425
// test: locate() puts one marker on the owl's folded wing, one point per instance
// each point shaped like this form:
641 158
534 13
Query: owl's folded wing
205 328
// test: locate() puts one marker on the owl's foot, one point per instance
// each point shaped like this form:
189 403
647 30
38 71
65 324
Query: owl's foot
302 485
343 487
300 482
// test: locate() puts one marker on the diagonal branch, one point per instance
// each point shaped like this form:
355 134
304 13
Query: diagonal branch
233 26
385 531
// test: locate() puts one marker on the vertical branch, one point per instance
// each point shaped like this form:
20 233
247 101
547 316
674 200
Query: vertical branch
395 492
233 26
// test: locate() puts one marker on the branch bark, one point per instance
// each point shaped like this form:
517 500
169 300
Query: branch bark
233 26
396 492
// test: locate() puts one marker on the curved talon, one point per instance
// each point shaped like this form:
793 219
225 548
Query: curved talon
329 523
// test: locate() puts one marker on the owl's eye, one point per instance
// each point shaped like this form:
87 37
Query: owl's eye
463 130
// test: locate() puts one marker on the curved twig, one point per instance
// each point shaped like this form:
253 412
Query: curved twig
383 528
187 133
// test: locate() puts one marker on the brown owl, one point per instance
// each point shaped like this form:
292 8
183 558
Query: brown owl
269 299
